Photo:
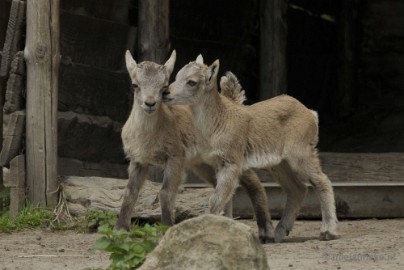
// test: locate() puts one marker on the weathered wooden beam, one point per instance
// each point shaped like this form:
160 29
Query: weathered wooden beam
273 40
42 59
15 85
358 167
154 40
16 175
12 137
16 182
13 36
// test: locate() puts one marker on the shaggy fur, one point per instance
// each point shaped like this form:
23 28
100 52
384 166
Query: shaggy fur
279 134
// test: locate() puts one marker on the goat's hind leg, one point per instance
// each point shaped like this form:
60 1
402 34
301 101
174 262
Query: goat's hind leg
207 173
255 190
311 169
295 190
174 174
137 175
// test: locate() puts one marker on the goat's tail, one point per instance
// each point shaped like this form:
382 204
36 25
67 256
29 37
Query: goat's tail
231 88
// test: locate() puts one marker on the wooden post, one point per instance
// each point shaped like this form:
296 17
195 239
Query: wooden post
273 38
154 40
347 33
16 183
42 58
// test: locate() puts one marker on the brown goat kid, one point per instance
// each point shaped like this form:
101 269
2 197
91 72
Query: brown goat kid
156 134
279 134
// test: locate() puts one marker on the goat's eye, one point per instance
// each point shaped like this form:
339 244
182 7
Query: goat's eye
191 83
134 86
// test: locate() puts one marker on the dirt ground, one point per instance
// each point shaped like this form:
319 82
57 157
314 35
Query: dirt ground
364 244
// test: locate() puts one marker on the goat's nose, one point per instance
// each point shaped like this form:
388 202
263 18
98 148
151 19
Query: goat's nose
150 104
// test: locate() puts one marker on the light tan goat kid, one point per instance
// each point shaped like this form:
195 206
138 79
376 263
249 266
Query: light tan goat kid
279 134
156 134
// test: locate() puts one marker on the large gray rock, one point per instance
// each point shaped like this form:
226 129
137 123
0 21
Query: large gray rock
208 242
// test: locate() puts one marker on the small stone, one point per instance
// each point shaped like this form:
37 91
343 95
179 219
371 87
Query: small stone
290 265
38 238
61 250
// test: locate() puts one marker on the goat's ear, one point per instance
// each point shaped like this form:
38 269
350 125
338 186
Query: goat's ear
213 70
169 65
199 59
130 62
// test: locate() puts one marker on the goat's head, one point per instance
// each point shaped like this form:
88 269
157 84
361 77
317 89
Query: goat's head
149 81
192 82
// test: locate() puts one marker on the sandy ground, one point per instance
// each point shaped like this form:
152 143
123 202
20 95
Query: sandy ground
364 244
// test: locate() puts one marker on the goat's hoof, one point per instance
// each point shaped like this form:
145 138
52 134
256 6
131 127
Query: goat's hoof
266 239
327 236
280 233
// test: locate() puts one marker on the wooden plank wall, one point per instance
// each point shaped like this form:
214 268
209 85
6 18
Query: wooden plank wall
94 93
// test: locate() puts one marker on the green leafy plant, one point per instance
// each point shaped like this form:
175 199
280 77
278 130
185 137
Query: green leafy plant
129 249
28 218
97 218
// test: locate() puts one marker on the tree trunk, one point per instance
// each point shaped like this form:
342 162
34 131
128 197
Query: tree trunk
273 39
42 57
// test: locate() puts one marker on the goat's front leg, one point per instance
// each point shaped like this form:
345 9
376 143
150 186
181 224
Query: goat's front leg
174 175
207 173
228 175
137 176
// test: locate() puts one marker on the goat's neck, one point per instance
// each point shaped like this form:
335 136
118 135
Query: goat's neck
208 112
147 122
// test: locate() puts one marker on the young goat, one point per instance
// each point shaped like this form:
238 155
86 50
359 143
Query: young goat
163 136
279 134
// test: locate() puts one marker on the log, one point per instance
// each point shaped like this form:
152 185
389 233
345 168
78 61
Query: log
353 200
42 59
273 40
13 137
95 193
